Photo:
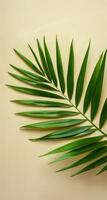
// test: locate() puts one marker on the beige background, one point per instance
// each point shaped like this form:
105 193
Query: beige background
23 175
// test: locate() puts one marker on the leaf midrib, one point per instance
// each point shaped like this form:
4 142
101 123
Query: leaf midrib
97 128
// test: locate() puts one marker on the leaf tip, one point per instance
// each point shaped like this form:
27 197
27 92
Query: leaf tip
43 155
15 50
7 85
29 45
33 140
23 127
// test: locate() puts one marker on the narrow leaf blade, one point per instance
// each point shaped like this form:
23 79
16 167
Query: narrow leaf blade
60 67
48 113
75 145
28 62
40 67
91 86
103 170
91 156
69 132
70 73
93 165
41 103
43 60
82 150
35 92
54 124
81 78
98 89
32 82
50 64
103 116
29 74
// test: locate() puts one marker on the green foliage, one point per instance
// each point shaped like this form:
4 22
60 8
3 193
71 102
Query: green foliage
61 115
103 116
70 73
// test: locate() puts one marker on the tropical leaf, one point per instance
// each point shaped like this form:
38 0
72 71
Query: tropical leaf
27 61
53 124
103 116
75 145
98 89
42 103
43 60
80 81
29 74
60 67
91 156
33 82
70 73
67 132
40 67
50 64
63 119
82 150
92 84
103 169
93 165
48 113
35 92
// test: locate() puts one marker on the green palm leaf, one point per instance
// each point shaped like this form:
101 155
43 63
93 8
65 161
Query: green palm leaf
91 156
103 169
103 116
75 145
39 65
98 89
43 60
35 92
33 82
27 61
60 67
29 74
63 119
50 64
70 73
92 84
82 150
48 113
81 77
93 165
42 103
71 132
53 124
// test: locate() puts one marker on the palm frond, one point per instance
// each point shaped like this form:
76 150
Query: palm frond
65 120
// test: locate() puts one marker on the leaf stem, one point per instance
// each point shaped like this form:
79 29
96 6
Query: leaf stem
66 98
80 111
85 117
89 120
